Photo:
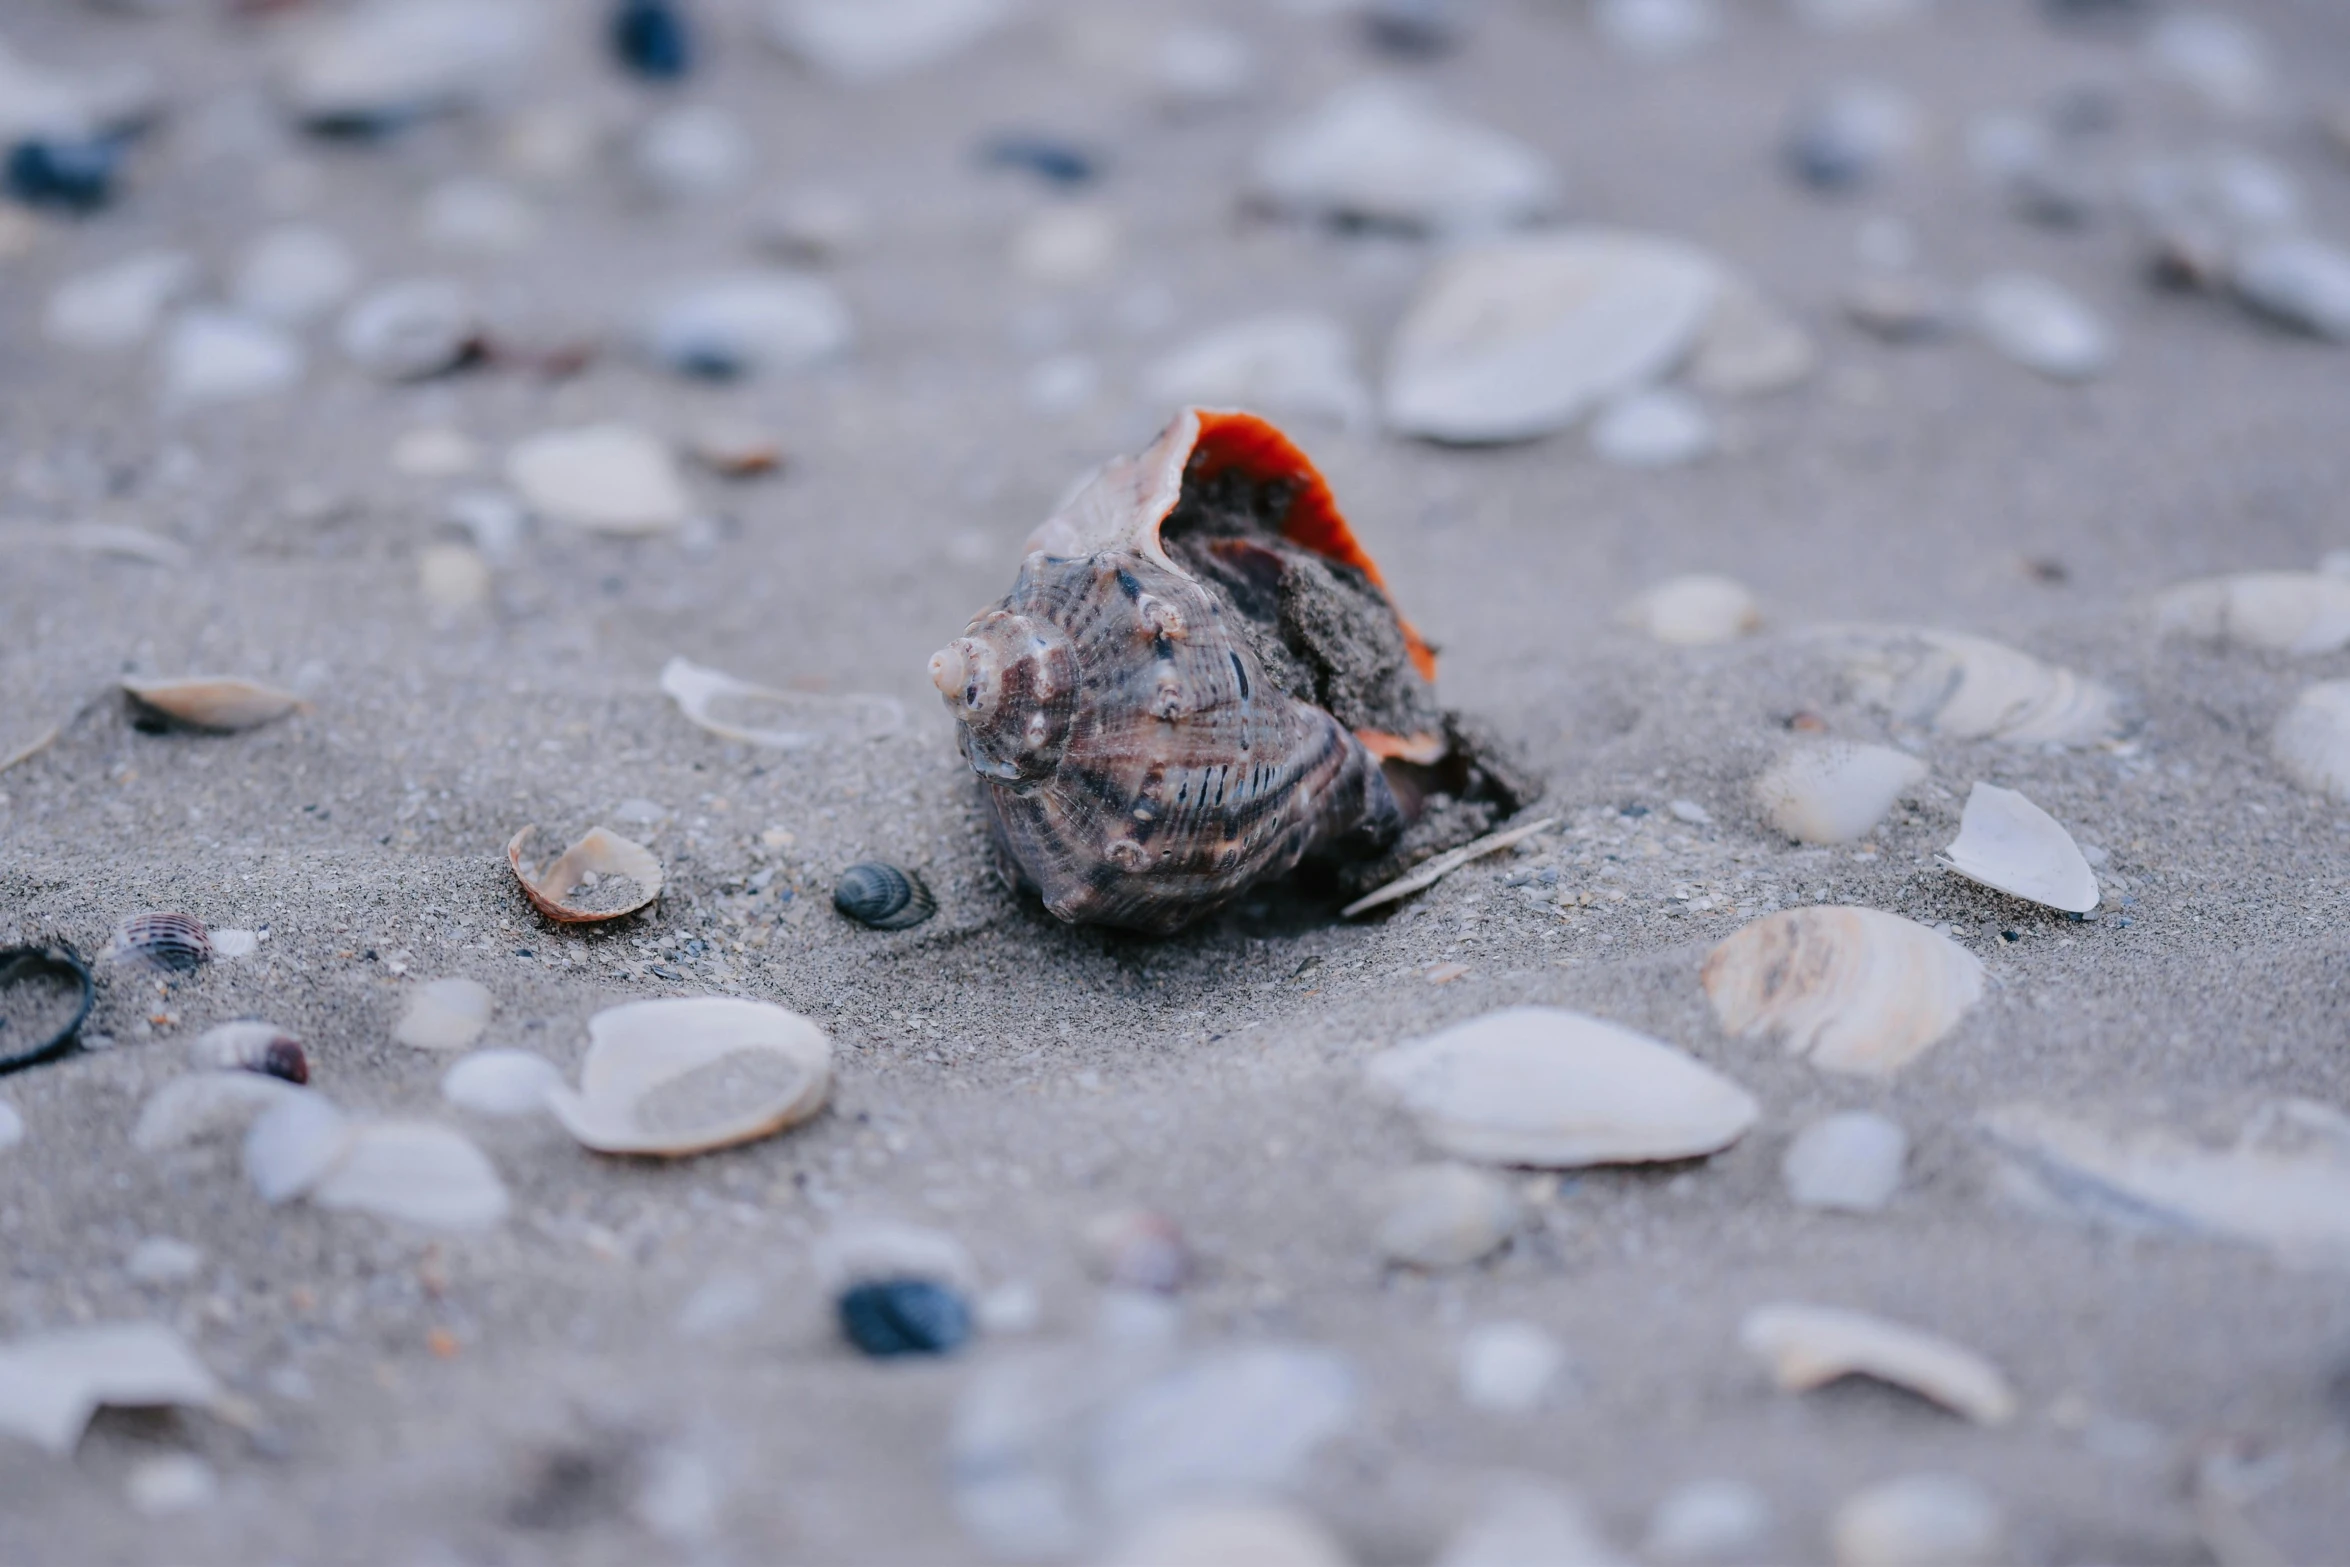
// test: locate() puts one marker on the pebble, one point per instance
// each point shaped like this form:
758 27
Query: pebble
73 174
1291 364
1850 1162
11 1126
118 304
470 216
294 275
1751 347
694 151
409 330
2301 282
1530 1523
435 451
1657 29
1925 1520
1067 246
2042 327
607 478
651 39
173 1483
161 1260
889 1317
1230 1534
373 68
211 356
453 578
1900 307
1507 1367
1378 153
1722 1521
1197 66
1700 609
445 1014
1850 135
749 323
865 41
1445 1215
1660 427
2217 57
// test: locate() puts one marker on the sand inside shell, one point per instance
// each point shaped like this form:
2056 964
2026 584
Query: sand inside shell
715 1090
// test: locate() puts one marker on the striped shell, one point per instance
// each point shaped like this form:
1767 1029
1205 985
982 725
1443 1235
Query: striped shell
1191 686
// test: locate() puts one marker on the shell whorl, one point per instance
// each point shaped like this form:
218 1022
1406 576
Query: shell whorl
1011 682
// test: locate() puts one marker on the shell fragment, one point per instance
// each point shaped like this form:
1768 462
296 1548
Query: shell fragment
1810 1346
2011 845
554 888
1835 792
779 720
1853 990
677 1077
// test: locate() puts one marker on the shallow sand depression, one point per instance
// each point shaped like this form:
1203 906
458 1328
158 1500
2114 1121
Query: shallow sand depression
2120 1154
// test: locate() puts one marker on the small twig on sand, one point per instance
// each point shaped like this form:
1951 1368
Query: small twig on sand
1435 870
39 743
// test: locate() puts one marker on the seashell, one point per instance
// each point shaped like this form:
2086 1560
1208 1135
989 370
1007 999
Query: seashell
1810 1346
205 1105
1926 1520
1191 685
1507 1367
500 1082
222 704
211 356
293 1143
1972 688
370 69
1135 1248
1708 1521
2312 740
865 41
890 1317
411 330
781 720
1196 67
2301 282
1254 1533
1379 153
1556 1089
413 1171
166 943
1850 1162
1517 338
230 945
293 275
52 1383
2042 327
2219 58
2011 845
1656 427
606 478
692 152
117 305
555 889
453 578
1696 610
1849 989
445 1014
1068 246
1295 364
2299 612
742 325
1836 791
45 996
161 1260
1899 307
814 226
736 449
685 1076
1751 346
1445 1215
251 1047
883 896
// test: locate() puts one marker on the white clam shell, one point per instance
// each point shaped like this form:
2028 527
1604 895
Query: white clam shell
389 59
863 41
415 1171
220 702
1297 364
52 1383
500 1082
676 1077
117 305
1850 1162
2011 845
205 1105
1654 427
2042 327
780 720
1518 338
215 356
1548 1087
2300 281
606 478
1695 610
1927 1520
410 329
1379 152
445 1014
1972 688
1836 791
601 854
294 1144
1850 989
1810 1346
1445 1215
2312 740
2283 611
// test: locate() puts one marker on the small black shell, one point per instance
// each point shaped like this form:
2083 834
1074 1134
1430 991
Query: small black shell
888 1317
45 994
170 943
883 896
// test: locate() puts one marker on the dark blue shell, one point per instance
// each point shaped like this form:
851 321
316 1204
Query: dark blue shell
883 896
885 1317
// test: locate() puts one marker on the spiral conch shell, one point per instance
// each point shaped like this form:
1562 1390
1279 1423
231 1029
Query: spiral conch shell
1197 682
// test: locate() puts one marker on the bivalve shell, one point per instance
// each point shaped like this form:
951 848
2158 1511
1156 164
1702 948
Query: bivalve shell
412 329
600 858
738 326
1696 610
445 1014
251 1047
2299 612
220 703
500 1082
416 1171
2312 740
165 942
2011 845
1850 989
1445 1215
1548 1087
676 1077
45 996
1836 792
1972 688
1850 1162
1298 364
1378 153
779 720
1810 1346
2042 328
1927 1520
606 478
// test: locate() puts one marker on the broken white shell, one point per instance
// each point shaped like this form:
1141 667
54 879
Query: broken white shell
416 1171
1695 610
1926 1520
599 855
675 1077
1517 338
862 41
1836 792
1810 1346
218 702
2312 740
52 1383
1850 1162
781 720
606 478
203 1105
1545 1086
1972 688
2284 611
445 1014
2011 845
1850 989
500 1082
1377 152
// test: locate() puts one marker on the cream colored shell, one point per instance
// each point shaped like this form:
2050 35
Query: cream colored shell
1810 1346
1849 989
1835 791
684 1076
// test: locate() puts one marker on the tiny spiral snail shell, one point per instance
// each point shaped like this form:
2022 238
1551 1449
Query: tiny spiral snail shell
1198 682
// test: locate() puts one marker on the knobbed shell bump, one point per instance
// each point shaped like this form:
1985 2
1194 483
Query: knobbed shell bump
221 704
2011 845
1853 990
677 1077
556 889
883 896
